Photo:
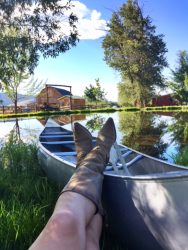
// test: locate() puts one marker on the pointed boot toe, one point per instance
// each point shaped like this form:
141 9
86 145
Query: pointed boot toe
107 135
83 141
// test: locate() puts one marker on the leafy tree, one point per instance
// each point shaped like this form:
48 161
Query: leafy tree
132 48
16 63
48 25
94 93
133 93
179 83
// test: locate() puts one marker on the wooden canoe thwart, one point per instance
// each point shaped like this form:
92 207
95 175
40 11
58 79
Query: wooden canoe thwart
146 199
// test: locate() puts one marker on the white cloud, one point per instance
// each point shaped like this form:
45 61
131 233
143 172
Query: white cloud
90 24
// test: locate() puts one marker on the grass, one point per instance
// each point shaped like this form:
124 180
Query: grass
27 198
101 110
166 108
67 112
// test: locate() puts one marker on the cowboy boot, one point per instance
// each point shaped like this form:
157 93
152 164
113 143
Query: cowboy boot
83 142
88 177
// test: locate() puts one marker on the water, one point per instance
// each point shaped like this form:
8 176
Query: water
159 135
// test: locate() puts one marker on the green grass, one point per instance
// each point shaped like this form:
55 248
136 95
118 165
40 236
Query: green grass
166 108
27 198
101 110
67 112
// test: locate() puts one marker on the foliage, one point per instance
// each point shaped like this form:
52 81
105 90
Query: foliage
179 83
132 47
133 94
47 25
33 86
15 66
94 93
26 196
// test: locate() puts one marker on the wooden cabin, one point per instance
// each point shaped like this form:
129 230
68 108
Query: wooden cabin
49 96
76 102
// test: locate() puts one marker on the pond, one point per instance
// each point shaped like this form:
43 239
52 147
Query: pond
159 135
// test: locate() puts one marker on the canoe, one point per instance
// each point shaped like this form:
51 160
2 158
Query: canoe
146 199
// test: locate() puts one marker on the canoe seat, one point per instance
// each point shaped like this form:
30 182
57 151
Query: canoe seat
57 133
58 142
73 153
55 136
135 159
128 152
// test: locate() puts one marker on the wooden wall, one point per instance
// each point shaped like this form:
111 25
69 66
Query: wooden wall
52 94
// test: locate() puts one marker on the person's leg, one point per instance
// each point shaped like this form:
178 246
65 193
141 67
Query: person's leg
93 232
81 197
66 228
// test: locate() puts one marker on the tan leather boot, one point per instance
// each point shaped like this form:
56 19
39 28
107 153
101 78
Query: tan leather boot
83 141
88 177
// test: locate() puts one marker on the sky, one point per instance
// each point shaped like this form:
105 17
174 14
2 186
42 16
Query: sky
84 63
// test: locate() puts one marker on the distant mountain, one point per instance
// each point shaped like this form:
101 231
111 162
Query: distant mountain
23 100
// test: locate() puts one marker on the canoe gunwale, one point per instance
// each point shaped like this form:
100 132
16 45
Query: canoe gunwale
147 177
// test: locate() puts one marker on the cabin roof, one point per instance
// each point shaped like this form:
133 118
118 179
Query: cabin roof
72 97
63 92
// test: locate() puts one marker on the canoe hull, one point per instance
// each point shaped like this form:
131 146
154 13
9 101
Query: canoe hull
130 213
147 211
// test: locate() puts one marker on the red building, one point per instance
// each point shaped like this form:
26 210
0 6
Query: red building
164 100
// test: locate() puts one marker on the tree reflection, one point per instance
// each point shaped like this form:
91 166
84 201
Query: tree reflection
141 133
14 134
179 129
95 123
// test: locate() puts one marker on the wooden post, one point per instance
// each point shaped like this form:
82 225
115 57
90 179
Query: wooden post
71 97
47 95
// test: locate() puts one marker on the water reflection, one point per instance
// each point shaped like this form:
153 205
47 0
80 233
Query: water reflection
95 123
179 129
140 132
159 135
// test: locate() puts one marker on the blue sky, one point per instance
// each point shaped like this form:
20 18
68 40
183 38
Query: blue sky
84 63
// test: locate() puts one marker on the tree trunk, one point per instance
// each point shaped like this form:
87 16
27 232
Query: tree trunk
15 103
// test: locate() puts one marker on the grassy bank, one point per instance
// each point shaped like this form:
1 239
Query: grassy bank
27 198
101 110
67 112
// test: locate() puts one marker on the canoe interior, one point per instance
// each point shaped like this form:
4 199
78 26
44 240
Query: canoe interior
60 142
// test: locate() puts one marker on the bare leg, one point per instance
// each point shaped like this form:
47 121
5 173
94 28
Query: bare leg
66 229
93 232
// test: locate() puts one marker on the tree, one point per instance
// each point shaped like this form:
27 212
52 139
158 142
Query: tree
94 93
179 83
16 63
48 25
132 48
